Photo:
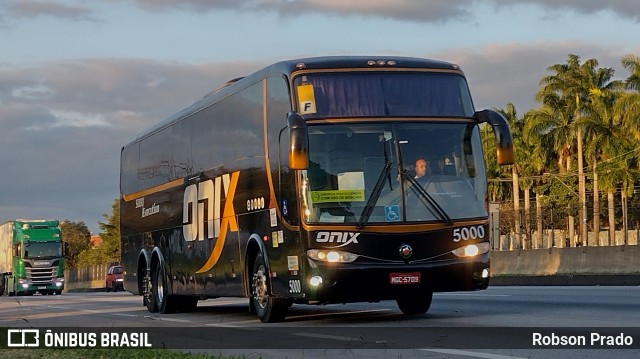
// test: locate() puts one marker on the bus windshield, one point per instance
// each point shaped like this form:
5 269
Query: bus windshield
384 94
369 173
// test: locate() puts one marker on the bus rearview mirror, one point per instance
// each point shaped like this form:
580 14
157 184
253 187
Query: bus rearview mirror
299 142
504 141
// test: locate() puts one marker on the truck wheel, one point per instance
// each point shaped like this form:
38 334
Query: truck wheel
268 308
3 284
415 303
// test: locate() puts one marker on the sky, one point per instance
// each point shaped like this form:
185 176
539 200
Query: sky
79 79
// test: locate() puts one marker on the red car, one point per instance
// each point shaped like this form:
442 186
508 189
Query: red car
114 280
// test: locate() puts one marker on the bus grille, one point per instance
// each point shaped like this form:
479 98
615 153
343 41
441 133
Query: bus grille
41 276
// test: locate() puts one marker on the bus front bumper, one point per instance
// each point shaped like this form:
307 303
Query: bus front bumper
350 282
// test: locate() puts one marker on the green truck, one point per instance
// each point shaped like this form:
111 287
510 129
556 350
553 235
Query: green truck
31 257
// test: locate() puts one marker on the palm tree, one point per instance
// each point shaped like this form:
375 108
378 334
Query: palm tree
632 63
553 128
602 127
568 91
515 125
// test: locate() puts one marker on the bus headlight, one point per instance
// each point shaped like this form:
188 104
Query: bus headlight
472 250
331 256
315 281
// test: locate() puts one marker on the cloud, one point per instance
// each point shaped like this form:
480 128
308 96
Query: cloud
628 9
56 9
503 73
414 10
63 125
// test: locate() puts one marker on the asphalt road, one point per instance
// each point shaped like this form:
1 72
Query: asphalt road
501 322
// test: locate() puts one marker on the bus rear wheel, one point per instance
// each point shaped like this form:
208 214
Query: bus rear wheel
268 308
160 299
415 303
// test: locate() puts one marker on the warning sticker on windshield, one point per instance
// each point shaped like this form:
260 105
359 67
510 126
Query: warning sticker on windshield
354 195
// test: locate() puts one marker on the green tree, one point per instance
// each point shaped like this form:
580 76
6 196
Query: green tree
566 94
109 250
603 127
77 236
110 234
632 63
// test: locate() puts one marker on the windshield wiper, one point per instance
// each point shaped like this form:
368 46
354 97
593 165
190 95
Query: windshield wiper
415 185
375 194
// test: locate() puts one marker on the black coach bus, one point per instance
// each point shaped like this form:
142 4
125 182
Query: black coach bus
296 184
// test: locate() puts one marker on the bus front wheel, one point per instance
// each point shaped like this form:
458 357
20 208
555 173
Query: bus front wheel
415 303
268 308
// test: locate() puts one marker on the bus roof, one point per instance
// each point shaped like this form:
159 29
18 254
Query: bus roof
289 67
337 62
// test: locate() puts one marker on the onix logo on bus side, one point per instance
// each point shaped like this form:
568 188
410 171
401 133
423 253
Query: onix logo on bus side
201 217
337 237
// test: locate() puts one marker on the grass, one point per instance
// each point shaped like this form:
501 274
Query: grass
68 353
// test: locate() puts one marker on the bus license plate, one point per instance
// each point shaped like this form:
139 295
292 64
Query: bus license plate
404 278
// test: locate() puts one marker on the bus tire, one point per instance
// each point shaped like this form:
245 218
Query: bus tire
415 303
152 300
160 297
268 308
2 284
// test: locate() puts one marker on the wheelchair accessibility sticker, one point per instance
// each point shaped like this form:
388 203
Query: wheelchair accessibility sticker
392 213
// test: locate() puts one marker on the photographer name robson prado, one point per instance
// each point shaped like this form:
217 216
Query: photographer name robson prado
594 340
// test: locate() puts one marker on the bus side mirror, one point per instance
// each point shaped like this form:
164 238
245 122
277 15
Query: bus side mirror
504 141
299 142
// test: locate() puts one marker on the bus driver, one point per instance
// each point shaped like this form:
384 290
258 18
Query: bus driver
422 169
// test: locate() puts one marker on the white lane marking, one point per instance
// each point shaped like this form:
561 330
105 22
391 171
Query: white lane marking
471 354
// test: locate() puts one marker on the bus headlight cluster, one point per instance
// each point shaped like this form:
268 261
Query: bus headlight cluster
331 256
472 250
